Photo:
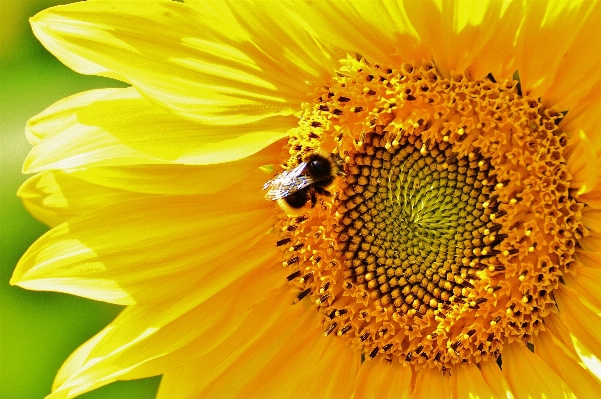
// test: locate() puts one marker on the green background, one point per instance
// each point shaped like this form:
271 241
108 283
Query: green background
38 330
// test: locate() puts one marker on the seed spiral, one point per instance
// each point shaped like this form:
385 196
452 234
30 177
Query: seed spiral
416 224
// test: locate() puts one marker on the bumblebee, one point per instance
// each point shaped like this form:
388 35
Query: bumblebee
294 188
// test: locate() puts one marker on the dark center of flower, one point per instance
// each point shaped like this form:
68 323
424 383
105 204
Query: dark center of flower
448 223
415 224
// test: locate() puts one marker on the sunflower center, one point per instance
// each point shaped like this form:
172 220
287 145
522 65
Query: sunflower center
415 224
447 222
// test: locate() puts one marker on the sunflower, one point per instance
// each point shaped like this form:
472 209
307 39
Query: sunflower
326 199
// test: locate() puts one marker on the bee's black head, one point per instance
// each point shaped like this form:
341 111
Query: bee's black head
319 167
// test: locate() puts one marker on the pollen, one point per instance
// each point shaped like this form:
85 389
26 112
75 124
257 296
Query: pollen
449 223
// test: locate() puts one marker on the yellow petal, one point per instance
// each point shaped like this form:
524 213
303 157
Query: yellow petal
588 285
588 258
63 113
328 363
380 379
593 198
372 381
583 164
400 382
591 218
495 379
147 340
73 365
339 365
578 378
555 76
181 179
585 116
582 322
179 383
530 377
268 362
469 382
563 337
577 29
272 313
125 129
431 383
379 31
592 242
54 197
63 141
459 32
117 253
232 70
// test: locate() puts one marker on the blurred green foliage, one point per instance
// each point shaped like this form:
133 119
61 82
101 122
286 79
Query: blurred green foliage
38 330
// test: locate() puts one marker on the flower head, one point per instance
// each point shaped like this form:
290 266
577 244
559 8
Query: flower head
430 225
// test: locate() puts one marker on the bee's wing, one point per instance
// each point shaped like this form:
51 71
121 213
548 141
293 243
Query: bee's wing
286 183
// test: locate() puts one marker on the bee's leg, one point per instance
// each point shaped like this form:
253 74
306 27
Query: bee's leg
322 191
313 199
